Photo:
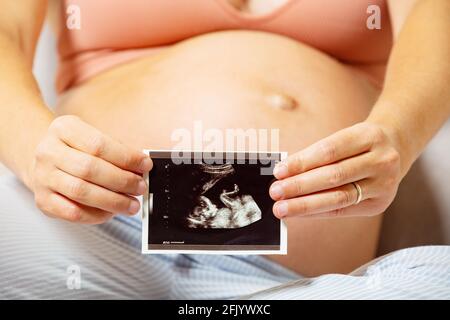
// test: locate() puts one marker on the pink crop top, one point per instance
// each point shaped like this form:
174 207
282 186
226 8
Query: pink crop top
116 31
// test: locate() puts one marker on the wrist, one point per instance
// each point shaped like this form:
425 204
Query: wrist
27 172
396 134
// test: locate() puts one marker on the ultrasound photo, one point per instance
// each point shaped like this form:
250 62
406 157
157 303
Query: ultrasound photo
203 203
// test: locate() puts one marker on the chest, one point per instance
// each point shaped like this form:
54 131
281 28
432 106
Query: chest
256 6
339 28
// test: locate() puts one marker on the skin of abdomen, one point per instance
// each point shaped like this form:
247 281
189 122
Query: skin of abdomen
228 80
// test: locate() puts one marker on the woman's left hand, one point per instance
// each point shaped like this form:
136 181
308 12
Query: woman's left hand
323 179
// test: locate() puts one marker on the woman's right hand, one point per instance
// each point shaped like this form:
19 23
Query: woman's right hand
81 175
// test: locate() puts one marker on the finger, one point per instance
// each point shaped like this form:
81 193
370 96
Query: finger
97 171
340 145
79 135
68 210
323 178
92 195
366 208
320 202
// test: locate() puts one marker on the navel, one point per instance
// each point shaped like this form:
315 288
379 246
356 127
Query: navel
282 101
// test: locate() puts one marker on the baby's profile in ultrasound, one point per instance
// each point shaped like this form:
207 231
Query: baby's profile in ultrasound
227 211
218 203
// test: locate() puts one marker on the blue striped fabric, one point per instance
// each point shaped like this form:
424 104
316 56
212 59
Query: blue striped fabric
36 253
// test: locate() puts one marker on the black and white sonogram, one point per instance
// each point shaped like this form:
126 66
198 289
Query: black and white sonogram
200 203
232 209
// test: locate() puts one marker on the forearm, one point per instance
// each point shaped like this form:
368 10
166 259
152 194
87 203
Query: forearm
415 100
24 118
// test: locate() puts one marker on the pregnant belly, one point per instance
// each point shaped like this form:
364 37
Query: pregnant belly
240 80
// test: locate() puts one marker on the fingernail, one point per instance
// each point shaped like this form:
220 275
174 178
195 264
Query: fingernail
281 208
280 170
276 191
146 164
142 187
134 207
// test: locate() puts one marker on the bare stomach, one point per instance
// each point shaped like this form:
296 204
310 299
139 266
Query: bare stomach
237 79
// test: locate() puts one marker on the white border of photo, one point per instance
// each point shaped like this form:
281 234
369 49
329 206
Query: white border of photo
144 200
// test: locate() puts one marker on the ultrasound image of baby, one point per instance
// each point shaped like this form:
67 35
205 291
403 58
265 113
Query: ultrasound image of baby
231 210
